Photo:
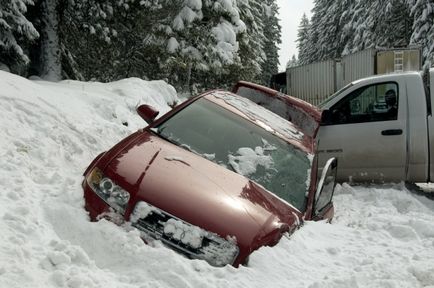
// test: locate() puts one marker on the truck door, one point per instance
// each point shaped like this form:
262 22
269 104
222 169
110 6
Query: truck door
366 131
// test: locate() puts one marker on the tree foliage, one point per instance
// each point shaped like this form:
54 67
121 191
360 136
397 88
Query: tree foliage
303 40
193 44
272 29
423 27
16 33
339 28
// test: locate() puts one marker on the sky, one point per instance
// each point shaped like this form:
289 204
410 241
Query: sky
290 15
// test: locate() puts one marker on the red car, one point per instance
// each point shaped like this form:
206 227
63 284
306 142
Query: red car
217 177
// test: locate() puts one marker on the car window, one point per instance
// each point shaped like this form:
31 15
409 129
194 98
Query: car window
371 103
229 140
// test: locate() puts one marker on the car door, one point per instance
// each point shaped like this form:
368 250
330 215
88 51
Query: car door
323 208
366 131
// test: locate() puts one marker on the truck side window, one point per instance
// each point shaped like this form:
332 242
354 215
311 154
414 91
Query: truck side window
378 102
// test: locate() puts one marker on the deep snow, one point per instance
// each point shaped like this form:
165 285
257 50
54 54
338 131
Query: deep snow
381 236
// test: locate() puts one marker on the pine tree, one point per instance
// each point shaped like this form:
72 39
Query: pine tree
108 40
423 27
313 49
340 14
16 32
272 29
293 62
348 19
193 44
252 43
429 50
303 40
204 44
364 23
348 26
395 29
327 32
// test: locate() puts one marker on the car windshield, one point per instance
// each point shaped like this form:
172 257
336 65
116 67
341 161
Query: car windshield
229 140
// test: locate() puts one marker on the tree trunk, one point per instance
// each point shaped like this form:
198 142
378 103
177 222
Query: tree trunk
50 65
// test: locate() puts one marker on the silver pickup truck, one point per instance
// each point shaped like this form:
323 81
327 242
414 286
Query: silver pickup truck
380 128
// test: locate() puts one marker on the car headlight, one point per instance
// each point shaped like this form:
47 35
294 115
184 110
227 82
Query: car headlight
107 190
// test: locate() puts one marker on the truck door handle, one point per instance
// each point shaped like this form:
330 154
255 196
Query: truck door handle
391 132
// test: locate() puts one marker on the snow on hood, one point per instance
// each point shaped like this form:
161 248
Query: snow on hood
381 236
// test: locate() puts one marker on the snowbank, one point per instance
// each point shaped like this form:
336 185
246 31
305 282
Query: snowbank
381 236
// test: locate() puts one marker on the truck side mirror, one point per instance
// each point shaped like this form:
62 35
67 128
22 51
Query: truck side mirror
326 187
326 117
147 112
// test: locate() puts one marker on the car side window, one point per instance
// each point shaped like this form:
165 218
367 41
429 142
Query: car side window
378 102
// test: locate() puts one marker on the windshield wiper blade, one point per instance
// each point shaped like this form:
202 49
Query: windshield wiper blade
171 140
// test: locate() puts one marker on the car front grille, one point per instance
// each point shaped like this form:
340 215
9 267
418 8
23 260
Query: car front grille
185 238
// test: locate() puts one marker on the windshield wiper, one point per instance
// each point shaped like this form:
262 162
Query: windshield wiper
171 140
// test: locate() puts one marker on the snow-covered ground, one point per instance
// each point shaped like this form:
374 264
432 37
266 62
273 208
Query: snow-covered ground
381 236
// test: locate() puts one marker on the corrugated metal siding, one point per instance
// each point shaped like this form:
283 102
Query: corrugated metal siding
313 83
386 60
358 65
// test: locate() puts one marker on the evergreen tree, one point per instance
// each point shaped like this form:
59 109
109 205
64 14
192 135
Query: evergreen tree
303 40
252 43
340 12
319 16
272 29
342 27
429 50
328 30
395 29
423 27
293 62
112 39
193 44
205 37
347 20
16 33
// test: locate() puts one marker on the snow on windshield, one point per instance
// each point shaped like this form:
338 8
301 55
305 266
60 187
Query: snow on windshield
246 160
261 116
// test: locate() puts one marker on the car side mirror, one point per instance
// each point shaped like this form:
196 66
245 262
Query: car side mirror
147 112
326 117
326 186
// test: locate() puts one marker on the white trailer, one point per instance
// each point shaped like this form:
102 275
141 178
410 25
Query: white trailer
314 82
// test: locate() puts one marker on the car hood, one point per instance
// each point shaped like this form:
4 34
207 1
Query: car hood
200 192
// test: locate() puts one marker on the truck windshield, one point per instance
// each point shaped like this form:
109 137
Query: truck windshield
229 140
324 103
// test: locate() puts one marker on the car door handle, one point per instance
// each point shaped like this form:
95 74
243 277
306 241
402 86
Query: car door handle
391 132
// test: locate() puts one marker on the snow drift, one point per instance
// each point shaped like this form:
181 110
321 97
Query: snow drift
381 236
